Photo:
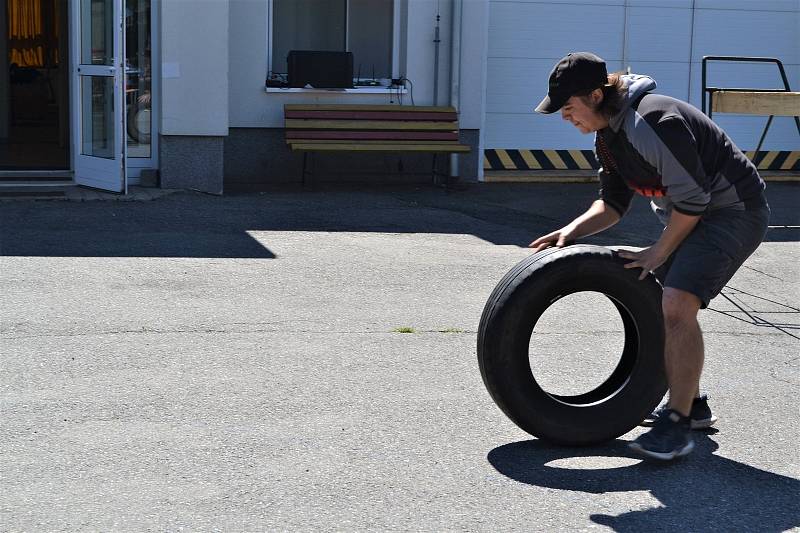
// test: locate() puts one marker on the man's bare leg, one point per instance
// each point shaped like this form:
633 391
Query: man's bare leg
683 347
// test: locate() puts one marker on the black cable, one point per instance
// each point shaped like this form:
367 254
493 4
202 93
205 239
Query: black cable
412 88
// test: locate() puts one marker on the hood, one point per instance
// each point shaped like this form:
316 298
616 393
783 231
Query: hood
637 85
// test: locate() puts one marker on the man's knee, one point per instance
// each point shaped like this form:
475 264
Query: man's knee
679 307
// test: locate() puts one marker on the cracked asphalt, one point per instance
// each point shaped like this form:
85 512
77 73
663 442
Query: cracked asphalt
235 364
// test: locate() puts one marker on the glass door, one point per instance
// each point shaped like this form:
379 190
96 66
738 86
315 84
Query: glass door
139 87
99 94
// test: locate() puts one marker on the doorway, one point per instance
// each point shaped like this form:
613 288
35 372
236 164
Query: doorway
140 83
34 87
59 102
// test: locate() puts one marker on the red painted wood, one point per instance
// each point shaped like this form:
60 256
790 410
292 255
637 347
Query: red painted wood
377 135
373 115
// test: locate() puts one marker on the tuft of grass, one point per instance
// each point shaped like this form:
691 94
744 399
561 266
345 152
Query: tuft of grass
451 330
404 329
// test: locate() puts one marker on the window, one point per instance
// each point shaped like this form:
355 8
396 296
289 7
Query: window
363 27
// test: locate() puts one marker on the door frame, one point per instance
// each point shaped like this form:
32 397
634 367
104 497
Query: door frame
99 172
135 165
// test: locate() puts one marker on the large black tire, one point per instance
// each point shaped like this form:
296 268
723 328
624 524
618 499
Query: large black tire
633 389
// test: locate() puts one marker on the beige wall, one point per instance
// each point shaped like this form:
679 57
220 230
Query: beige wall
194 59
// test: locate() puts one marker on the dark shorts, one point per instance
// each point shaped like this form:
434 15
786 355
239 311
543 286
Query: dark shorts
712 253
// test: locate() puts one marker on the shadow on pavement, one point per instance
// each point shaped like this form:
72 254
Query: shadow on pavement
195 225
702 492
758 311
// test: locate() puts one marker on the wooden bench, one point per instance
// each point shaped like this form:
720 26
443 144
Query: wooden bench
372 128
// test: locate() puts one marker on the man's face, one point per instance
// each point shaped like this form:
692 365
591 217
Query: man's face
579 111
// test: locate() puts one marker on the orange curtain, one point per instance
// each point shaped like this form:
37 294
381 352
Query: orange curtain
33 32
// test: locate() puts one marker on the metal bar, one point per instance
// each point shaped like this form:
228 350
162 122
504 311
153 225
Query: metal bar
763 135
710 104
703 87
743 59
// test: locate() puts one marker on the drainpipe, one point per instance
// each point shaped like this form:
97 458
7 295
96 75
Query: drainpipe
455 68
436 41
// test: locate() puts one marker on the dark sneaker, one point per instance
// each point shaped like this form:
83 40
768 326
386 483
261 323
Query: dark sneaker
669 438
701 415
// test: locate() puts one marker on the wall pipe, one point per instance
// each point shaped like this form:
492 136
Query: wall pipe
436 41
455 68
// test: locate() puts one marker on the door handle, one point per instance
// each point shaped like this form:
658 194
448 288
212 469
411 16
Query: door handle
111 70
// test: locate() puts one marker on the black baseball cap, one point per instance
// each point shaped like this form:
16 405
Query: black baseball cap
577 73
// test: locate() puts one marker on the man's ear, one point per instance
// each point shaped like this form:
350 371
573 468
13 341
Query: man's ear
596 96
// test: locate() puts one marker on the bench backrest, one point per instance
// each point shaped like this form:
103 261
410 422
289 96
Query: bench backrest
370 123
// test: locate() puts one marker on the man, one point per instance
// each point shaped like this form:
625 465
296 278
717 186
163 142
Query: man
707 194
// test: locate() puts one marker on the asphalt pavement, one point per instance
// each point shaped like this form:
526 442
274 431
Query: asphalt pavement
306 361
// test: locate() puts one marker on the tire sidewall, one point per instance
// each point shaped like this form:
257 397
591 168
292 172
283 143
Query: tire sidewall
504 350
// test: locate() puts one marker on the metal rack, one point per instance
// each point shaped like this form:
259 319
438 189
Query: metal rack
711 90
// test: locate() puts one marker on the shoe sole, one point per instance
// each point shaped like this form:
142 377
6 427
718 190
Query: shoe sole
696 424
705 423
662 456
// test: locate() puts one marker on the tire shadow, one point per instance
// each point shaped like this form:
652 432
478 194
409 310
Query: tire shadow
701 492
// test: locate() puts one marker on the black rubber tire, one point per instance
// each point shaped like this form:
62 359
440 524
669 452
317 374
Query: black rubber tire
616 406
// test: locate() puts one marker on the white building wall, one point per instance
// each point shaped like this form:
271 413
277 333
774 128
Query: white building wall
663 38
194 61
249 104
473 61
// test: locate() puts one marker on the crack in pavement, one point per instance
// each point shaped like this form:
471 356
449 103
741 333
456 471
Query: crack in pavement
216 330
774 370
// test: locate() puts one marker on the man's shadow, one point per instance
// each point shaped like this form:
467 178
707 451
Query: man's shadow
701 492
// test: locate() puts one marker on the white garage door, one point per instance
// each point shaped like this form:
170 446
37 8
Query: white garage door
663 38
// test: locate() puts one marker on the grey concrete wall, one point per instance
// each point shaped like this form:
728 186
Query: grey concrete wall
249 159
258 157
469 164
192 162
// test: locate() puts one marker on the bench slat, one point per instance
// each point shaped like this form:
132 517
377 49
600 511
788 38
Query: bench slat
368 125
369 141
371 115
343 147
362 107
373 134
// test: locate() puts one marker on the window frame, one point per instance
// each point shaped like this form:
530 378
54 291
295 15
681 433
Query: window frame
395 66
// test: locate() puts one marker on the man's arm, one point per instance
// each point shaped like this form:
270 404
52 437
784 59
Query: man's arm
598 217
649 259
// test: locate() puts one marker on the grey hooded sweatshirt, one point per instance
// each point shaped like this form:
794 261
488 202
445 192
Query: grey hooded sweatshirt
671 152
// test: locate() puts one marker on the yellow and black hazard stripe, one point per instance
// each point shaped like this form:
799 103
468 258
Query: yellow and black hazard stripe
774 160
521 159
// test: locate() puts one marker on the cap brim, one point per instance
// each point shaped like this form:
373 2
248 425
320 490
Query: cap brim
548 105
